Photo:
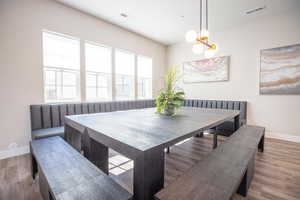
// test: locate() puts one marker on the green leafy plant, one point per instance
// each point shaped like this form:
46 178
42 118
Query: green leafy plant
170 98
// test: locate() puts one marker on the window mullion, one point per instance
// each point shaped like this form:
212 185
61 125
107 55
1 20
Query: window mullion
97 85
113 75
82 75
62 85
135 77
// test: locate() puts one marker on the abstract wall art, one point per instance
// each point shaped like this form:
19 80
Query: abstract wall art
280 70
206 70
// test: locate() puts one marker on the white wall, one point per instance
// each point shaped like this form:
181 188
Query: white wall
21 81
280 114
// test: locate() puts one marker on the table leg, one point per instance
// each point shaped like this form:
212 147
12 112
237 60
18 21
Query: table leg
34 166
215 145
148 173
96 152
236 122
261 144
73 137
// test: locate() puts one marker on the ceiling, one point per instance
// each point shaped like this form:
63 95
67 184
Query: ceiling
166 21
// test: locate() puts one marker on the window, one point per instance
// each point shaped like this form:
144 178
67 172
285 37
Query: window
98 72
124 69
144 75
61 61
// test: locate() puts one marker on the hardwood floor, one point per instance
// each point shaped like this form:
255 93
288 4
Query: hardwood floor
277 173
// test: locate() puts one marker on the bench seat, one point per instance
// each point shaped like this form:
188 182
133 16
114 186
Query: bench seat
48 132
64 174
225 171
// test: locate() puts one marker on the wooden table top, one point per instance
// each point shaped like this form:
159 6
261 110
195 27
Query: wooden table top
143 129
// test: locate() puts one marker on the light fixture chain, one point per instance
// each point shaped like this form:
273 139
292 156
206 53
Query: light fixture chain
206 15
200 17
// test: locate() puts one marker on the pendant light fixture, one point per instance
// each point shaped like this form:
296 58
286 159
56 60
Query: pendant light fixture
200 39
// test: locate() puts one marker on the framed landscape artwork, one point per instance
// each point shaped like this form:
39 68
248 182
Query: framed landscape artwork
206 70
280 70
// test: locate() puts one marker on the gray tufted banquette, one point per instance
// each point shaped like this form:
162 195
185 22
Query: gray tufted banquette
48 119
226 128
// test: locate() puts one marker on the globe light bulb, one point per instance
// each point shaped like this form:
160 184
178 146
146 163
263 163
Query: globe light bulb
209 53
198 48
204 33
191 36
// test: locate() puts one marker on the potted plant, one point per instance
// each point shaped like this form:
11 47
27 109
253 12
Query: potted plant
171 97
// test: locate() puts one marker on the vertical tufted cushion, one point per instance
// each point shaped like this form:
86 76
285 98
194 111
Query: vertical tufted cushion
243 110
125 105
46 116
131 105
135 104
117 105
71 109
144 104
185 103
195 103
78 109
97 107
224 104
219 104
153 103
236 105
122 105
230 105
112 106
85 109
209 104
62 112
214 104
107 107
204 104
200 103
36 117
102 107
91 107
55 115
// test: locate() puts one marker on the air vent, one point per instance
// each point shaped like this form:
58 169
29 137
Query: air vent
124 15
255 10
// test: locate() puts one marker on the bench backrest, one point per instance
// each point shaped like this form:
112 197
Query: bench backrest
219 104
52 115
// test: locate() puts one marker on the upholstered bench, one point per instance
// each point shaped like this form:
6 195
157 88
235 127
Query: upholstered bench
64 174
48 119
227 170
226 128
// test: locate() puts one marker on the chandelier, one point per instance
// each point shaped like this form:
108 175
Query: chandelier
200 39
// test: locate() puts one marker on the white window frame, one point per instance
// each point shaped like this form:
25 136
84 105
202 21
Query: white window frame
99 73
124 75
61 70
144 78
82 72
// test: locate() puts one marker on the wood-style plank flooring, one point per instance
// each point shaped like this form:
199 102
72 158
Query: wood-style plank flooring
277 173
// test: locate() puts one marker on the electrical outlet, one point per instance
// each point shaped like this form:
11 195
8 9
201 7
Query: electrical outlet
12 146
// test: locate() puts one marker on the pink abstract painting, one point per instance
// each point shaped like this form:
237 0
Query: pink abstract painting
280 70
206 70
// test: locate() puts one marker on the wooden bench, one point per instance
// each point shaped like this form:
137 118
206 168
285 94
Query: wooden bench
225 171
64 174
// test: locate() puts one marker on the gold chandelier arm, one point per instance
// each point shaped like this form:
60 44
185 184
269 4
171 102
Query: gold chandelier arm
204 42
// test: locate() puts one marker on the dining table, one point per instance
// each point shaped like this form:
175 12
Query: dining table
141 135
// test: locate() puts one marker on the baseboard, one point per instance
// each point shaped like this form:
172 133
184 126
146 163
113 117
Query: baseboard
14 152
281 136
